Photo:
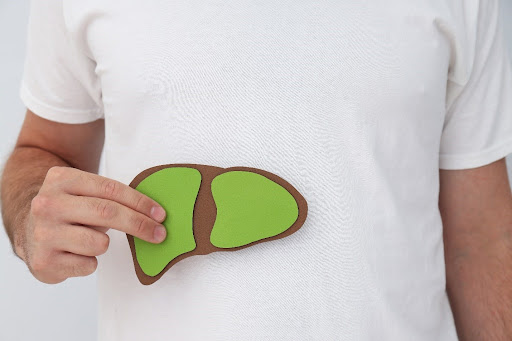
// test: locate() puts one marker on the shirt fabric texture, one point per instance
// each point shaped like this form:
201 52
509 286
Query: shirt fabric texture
357 104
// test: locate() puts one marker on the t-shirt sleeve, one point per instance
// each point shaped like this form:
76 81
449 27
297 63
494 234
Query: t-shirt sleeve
477 128
59 82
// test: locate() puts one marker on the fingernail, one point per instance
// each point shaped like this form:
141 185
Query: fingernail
159 233
157 213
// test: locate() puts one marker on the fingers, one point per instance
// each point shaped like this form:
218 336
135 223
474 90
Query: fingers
104 213
101 229
80 240
62 265
69 216
49 264
77 182
72 265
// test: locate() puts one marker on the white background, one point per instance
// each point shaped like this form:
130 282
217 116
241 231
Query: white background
31 310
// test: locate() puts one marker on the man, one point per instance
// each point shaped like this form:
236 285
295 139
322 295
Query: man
391 118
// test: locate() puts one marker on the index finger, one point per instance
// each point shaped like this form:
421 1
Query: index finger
93 185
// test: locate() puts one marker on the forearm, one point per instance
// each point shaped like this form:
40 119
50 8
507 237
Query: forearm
23 175
479 283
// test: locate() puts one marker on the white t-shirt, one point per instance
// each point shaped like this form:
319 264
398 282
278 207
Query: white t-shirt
355 103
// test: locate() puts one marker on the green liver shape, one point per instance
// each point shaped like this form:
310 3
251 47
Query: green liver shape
176 190
250 207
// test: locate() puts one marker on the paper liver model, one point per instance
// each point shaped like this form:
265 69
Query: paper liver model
213 209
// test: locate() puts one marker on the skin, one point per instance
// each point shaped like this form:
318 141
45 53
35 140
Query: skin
56 212
476 208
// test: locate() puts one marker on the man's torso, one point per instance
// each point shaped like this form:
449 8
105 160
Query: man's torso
345 100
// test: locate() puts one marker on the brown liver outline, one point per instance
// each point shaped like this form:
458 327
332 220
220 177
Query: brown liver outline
205 212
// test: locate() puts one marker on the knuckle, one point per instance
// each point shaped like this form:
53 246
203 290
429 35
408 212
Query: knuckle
40 204
140 203
56 173
110 188
88 241
106 210
139 224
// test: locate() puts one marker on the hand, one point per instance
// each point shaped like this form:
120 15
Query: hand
68 219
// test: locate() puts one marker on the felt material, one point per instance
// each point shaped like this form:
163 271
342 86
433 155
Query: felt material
176 190
250 207
152 257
